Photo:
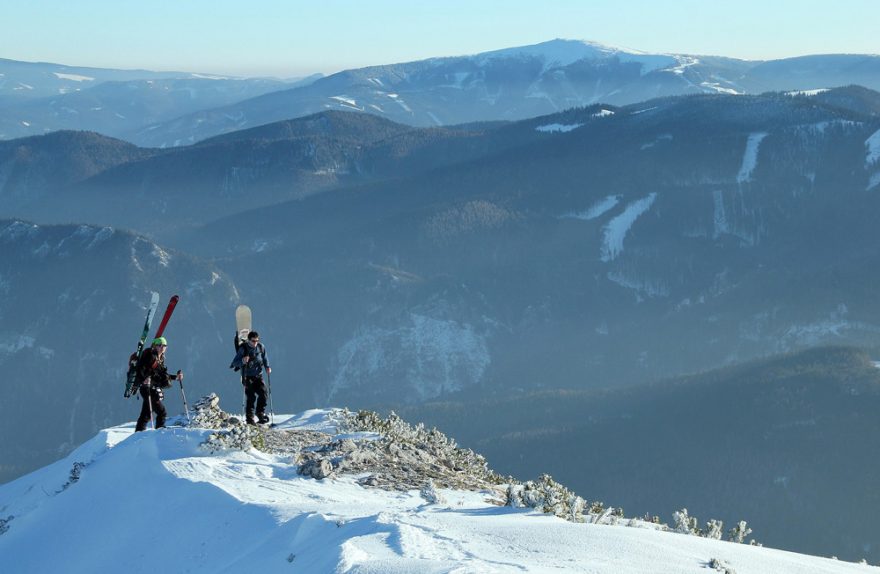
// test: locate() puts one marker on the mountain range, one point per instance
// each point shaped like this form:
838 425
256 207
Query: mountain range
521 83
162 110
38 98
597 246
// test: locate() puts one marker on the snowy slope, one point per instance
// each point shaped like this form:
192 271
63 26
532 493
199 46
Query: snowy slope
155 501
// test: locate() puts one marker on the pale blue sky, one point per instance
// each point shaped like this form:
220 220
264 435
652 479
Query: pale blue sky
294 37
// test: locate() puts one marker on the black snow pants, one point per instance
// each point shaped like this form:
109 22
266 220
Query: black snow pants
151 396
255 390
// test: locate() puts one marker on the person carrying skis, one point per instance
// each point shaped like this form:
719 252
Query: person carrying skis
151 377
251 359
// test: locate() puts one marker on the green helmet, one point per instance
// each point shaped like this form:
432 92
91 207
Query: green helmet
160 341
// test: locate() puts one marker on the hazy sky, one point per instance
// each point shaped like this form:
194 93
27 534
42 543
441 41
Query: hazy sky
294 37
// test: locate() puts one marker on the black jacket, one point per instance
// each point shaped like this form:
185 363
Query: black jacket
257 359
152 366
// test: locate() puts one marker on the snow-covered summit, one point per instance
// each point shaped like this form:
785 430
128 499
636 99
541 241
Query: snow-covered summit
563 52
162 500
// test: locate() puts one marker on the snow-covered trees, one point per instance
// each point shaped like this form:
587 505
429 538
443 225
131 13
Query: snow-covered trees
739 532
684 523
714 529
417 444
430 493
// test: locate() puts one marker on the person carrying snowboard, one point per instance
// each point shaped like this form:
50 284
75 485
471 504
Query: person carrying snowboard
151 378
251 359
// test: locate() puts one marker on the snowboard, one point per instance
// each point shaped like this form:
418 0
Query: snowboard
242 324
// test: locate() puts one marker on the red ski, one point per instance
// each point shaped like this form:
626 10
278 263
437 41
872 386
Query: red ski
168 311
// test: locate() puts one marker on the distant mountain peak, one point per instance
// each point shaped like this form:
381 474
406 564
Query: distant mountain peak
564 52
561 51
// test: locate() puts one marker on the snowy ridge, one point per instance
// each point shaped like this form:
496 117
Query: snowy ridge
616 229
250 511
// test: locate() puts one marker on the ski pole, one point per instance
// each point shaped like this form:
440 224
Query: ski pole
271 408
150 402
243 393
183 394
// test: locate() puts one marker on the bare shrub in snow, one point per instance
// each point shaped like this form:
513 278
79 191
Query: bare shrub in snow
721 566
75 474
4 524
